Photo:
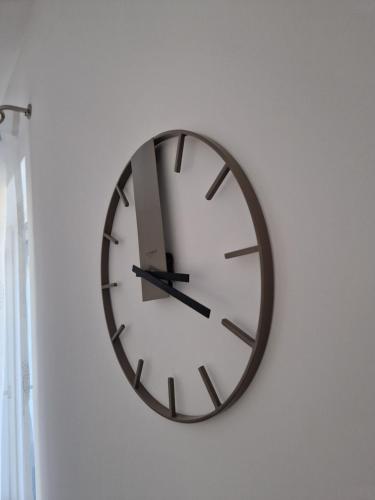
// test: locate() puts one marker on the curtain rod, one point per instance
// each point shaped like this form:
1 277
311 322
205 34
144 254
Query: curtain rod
26 111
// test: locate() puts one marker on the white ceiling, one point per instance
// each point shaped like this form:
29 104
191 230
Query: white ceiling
14 15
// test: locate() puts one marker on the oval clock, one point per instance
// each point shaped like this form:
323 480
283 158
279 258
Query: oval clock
164 294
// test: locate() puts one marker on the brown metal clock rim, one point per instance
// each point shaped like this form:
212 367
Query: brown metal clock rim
267 282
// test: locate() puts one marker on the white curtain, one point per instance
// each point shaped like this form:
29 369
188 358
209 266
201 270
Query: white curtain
17 472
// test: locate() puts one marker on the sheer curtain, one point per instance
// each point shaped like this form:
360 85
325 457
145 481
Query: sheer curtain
17 470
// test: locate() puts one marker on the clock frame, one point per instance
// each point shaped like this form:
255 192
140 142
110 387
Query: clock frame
263 247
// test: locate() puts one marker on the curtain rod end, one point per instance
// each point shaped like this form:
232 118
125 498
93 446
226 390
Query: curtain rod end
26 111
29 111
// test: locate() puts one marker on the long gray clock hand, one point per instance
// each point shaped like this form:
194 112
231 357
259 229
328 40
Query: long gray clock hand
140 273
151 242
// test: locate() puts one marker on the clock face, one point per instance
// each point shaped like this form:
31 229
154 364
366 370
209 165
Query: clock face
187 276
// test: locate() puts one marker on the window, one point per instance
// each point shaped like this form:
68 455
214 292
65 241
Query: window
17 465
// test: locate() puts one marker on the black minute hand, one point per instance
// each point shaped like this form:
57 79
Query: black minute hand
172 291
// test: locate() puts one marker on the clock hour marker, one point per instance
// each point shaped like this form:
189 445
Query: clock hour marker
172 401
122 196
180 149
118 333
109 237
216 184
138 373
242 251
209 386
238 332
106 286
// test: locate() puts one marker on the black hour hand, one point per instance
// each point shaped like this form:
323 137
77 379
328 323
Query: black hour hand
185 299
170 276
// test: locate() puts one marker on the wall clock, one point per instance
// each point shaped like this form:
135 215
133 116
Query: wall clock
186 276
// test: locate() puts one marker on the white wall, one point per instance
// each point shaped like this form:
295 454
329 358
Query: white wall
14 17
288 87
